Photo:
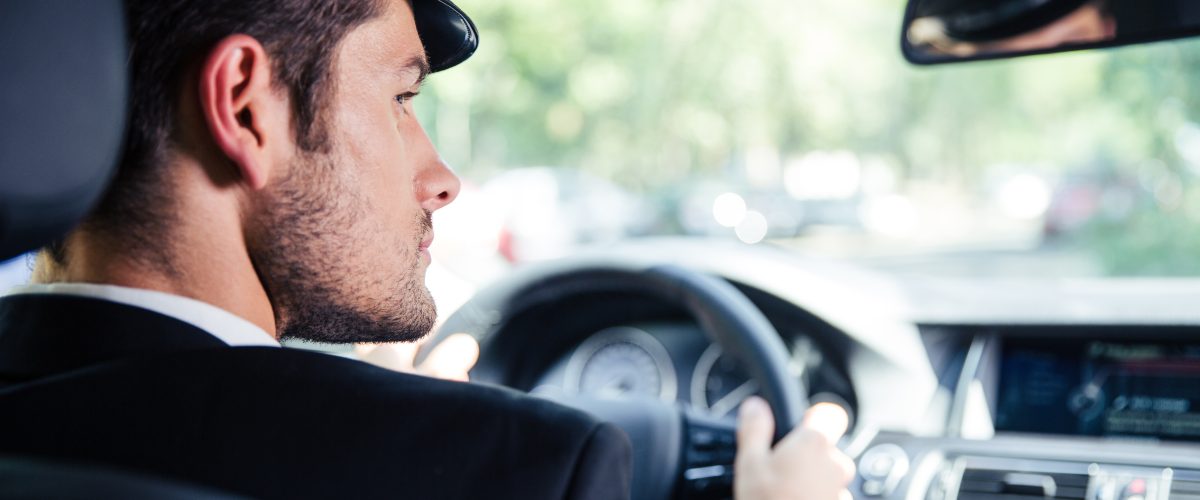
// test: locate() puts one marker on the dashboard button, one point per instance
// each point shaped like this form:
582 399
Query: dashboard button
882 468
704 439
873 488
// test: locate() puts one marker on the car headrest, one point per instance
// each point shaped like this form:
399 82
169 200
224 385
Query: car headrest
62 113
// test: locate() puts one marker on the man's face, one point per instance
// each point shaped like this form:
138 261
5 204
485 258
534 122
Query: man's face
341 244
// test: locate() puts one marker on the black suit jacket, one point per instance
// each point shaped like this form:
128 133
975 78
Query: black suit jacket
91 381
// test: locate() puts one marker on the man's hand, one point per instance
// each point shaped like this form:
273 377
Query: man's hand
450 360
805 465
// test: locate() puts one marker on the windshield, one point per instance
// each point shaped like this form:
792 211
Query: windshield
798 124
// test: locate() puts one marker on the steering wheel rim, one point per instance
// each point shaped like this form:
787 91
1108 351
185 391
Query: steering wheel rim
731 321
726 316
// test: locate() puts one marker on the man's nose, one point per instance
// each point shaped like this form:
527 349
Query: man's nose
437 186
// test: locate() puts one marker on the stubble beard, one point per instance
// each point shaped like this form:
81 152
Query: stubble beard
313 258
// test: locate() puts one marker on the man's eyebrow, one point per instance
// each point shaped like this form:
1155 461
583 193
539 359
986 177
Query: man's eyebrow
419 64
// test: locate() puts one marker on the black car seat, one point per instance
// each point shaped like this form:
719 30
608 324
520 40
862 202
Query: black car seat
62 113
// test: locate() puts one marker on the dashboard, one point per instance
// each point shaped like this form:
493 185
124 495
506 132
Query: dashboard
958 390
1135 382
1057 411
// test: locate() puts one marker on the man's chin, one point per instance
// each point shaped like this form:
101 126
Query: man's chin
339 326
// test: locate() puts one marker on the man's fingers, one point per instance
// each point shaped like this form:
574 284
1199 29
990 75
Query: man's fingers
453 358
397 357
756 428
846 465
823 471
828 419
404 350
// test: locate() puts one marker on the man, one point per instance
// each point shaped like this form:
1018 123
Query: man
275 185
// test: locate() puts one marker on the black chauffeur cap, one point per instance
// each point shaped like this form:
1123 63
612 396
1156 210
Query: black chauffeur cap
448 34
987 20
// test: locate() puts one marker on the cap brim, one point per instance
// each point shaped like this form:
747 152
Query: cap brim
448 34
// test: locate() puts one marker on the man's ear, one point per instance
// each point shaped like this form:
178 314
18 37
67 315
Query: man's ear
241 107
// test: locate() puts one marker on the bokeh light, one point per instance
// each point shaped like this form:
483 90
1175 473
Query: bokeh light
729 209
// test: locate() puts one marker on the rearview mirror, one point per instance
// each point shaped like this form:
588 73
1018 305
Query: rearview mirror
941 31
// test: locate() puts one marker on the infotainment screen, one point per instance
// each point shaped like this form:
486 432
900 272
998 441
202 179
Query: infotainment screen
1100 388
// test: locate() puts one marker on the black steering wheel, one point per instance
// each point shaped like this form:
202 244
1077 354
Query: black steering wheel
677 453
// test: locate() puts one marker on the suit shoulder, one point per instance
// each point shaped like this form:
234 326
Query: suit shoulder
204 414
357 384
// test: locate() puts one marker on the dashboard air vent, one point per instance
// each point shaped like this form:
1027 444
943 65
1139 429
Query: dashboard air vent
1185 489
991 484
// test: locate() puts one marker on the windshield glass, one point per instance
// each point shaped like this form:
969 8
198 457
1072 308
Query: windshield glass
799 124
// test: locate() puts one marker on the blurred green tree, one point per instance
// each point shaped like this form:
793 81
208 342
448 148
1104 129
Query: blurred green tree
650 93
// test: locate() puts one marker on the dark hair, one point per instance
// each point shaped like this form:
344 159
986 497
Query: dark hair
168 38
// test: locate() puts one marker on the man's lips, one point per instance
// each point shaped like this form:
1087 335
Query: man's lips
425 243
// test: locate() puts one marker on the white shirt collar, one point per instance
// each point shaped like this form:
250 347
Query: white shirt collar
224 325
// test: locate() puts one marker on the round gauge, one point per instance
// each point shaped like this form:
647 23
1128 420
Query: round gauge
622 362
719 385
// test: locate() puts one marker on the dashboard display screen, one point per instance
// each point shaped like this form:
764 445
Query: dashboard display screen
1100 388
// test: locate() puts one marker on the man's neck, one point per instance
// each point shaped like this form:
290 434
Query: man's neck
209 266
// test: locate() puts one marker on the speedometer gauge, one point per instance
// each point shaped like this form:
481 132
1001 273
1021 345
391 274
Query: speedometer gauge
622 362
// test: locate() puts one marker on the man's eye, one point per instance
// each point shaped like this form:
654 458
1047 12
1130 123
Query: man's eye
405 97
